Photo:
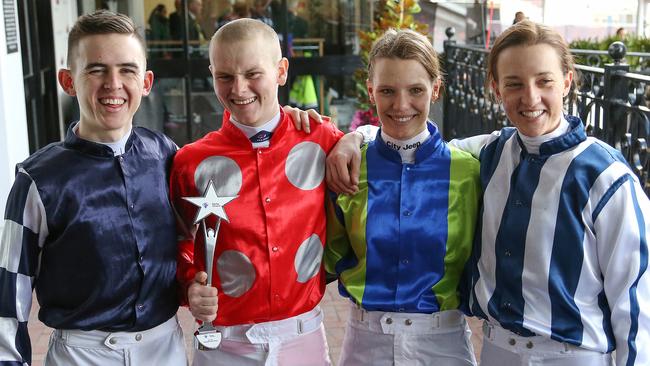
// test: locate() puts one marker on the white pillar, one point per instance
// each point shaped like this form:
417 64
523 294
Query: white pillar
136 12
14 143
640 17
64 15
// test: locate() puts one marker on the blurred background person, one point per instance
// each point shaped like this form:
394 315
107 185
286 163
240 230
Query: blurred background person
240 9
176 21
195 31
263 11
158 31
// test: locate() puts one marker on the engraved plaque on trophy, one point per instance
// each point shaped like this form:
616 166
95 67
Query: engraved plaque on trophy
207 337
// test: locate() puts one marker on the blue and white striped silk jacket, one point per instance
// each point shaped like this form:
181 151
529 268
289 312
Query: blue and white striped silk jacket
561 247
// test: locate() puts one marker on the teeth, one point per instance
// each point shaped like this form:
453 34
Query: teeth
532 114
112 101
244 101
402 119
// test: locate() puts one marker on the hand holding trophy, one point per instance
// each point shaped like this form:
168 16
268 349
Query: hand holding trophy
207 337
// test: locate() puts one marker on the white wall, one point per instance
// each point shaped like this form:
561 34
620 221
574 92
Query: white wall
14 143
449 15
64 14
136 12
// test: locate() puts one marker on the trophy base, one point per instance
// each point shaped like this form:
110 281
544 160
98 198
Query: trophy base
207 338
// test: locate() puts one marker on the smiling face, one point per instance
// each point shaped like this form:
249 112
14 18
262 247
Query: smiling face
531 85
246 75
108 77
402 91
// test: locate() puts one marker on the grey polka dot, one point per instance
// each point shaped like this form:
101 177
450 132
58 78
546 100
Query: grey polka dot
236 273
308 258
305 167
223 171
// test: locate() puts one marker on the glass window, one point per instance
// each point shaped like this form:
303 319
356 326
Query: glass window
318 36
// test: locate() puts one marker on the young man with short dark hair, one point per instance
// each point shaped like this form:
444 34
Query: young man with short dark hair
88 222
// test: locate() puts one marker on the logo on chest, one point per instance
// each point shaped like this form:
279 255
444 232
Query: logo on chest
406 147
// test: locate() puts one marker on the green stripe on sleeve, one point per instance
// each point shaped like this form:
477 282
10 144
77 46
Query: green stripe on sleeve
464 195
355 211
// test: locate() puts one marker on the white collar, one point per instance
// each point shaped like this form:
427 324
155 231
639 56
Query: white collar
532 144
406 148
250 131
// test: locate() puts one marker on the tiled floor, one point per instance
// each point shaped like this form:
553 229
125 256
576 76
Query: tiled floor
335 309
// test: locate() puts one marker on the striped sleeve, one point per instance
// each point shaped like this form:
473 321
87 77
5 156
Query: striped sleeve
621 224
474 144
338 245
369 132
25 230
345 252
464 196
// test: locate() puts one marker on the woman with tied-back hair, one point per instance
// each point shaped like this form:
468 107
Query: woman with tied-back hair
400 275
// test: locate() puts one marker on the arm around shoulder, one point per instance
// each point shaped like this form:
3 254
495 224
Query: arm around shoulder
474 144
343 163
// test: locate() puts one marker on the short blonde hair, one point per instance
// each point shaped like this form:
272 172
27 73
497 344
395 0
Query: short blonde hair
246 29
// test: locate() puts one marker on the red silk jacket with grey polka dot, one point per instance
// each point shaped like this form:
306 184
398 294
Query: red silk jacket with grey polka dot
267 262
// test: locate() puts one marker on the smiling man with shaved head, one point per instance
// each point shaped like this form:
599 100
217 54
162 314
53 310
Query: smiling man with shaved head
267 275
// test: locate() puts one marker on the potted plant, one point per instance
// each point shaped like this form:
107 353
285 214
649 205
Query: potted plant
396 14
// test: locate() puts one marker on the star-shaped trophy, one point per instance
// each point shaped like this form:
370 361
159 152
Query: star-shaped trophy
207 337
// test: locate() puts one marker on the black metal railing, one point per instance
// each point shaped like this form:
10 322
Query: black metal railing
599 58
612 101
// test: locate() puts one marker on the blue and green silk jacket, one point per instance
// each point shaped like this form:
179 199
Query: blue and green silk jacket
401 242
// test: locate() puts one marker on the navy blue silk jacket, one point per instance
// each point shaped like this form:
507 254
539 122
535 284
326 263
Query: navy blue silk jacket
94 235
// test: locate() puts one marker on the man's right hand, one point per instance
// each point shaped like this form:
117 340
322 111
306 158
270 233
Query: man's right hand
202 298
301 118
343 164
